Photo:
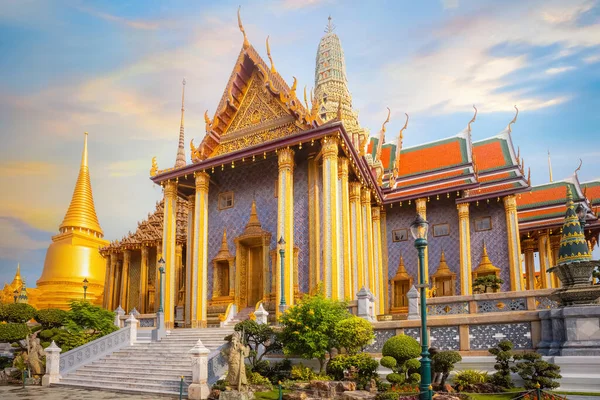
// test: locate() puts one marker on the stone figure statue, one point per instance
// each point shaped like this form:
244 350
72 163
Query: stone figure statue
35 352
237 352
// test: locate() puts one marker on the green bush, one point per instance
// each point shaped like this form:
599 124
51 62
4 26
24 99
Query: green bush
388 362
18 312
5 362
387 396
302 373
12 332
395 378
403 349
412 365
353 334
275 372
469 377
363 362
51 317
533 370
309 327
2 312
483 283
258 336
504 359
414 378
443 362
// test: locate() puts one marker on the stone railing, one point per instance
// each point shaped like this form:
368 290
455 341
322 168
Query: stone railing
472 324
145 320
230 313
82 355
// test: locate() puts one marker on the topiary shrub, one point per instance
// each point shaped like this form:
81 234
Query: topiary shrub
353 334
363 362
396 379
275 372
533 370
51 318
18 312
399 354
12 332
465 379
443 362
388 362
414 378
504 359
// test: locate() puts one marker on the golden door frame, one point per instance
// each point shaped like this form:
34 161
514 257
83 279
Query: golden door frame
243 267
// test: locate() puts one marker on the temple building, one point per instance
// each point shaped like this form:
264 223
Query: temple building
18 292
74 253
285 196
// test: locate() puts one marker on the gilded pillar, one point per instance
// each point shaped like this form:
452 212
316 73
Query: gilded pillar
106 294
159 254
554 247
544 253
314 225
285 224
114 281
189 260
514 243
332 260
528 248
464 232
377 261
143 280
345 227
384 251
200 253
356 232
169 244
125 280
422 211
368 239
179 286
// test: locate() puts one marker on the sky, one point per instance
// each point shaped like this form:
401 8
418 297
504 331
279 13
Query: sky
114 69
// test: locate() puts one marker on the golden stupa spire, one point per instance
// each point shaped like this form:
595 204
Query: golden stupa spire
17 280
82 213
180 160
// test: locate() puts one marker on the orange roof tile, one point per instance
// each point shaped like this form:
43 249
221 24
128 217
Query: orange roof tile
429 189
431 158
496 177
491 154
430 178
543 195
493 189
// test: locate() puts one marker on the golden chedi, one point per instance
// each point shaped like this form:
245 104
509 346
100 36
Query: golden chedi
73 254
11 293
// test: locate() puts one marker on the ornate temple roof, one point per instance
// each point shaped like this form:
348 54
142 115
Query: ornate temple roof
82 212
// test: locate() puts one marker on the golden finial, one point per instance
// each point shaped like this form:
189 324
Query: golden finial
207 121
154 169
518 153
569 196
513 121
382 136
246 43
399 146
330 26
472 120
273 70
294 85
549 165
529 176
305 99
579 167
180 159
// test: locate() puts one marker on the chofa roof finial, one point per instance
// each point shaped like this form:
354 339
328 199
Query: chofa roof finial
382 136
472 120
246 43
273 70
513 121
399 146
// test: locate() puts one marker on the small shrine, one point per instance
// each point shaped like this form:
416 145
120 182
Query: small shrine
444 280
401 284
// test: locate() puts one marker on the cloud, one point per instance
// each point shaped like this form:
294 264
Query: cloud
135 24
448 4
14 240
591 59
558 70
298 4
128 168
31 168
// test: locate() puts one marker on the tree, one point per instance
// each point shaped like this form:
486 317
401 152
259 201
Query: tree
366 367
504 359
256 336
309 327
400 355
443 362
51 317
353 334
533 370
483 283
17 312
93 320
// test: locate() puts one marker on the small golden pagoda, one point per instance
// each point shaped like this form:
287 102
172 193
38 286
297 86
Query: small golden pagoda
485 267
74 253
444 280
12 291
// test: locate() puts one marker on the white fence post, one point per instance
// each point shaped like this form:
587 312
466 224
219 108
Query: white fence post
199 389
132 323
413 303
119 312
261 315
52 364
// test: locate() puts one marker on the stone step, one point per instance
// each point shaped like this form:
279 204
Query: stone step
172 389
150 369
151 359
121 377
140 365
161 393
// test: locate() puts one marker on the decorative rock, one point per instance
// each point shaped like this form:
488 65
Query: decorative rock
295 396
235 395
358 395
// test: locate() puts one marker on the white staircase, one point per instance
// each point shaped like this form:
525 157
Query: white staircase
155 367
240 316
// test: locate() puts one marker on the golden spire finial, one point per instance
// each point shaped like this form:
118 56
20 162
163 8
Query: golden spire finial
224 240
529 176
17 280
382 136
330 26
273 70
472 120
513 121
549 165
399 147
569 196
246 43
81 212
579 167
180 159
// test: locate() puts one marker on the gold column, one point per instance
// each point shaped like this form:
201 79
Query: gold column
285 224
464 232
514 243
157 289
368 236
377 261
545 262
125 280
143 280
179 275
332 261
189 260
114 281
314 225
528 247
106 294
422 211
356 231
554 247
384 250
200 252
346 235
169 236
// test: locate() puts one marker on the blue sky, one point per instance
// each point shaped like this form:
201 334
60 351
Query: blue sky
114 69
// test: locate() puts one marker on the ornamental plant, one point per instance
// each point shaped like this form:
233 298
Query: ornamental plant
443 362
51 317
366 367
483 283
353 334
261 339
399 354
469 377
13 332
309 327
17 312
533 370
504 359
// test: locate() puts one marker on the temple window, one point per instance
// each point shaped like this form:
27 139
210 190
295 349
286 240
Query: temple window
225 200
325 98
444 280
401 284
323 116
441 230
483 224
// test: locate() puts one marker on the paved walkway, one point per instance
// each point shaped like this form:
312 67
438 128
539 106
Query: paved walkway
64 393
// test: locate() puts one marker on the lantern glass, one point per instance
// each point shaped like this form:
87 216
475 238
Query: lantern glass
419 228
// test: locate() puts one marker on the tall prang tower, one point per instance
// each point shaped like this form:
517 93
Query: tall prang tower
331 86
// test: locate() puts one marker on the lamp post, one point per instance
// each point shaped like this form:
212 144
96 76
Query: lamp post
419 229
281 244
161 269
85 286
15 295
